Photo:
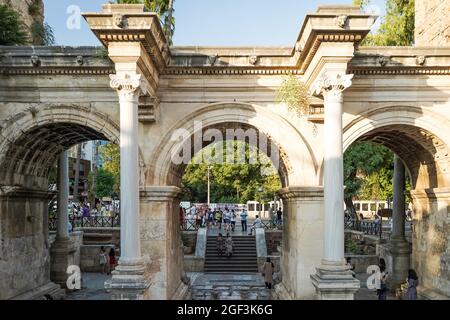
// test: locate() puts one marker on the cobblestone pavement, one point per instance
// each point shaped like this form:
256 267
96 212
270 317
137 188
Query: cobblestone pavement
212 286
92 288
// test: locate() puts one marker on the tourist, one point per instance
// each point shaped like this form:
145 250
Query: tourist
112 260
220 244
103 259
268 270
256 224
233 220
279 214
351 266
198 219
227 219
229 245
210 217
218 218
413 282
382 288
382 263
244 220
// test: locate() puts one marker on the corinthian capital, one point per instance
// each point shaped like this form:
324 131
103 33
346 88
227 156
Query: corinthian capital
332 84
126 85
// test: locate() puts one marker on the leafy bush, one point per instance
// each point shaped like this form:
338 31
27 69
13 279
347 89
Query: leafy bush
295 94
12 28
42 34
351 246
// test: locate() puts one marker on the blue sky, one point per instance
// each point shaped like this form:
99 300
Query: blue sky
204 22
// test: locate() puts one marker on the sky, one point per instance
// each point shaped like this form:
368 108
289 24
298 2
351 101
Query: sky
204 22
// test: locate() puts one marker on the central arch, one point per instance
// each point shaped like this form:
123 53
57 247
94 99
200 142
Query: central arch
299 167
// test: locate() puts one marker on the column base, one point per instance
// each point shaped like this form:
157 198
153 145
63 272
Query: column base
334 281
61 257
400 253
129 281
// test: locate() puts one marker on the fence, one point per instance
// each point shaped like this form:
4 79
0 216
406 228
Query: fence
367 227
191 225
87 222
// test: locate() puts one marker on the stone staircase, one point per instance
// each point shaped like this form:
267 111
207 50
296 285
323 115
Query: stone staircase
243 260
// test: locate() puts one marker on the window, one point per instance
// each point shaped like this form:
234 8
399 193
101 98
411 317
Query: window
365 207
357 206
251 207
373 207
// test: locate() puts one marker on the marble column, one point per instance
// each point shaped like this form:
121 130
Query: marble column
128 280
398 248
333 279
63 249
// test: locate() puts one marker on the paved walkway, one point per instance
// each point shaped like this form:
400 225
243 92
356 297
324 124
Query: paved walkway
209 286
92 288
368 294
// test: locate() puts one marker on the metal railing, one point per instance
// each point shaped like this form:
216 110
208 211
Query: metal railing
367 227
191 225
87 222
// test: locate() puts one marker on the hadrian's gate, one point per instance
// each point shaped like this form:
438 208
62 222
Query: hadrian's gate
54 98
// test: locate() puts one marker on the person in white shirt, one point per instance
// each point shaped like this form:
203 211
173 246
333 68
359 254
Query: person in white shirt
256 224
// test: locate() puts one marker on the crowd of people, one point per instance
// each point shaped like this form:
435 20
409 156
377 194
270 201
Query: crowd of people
225 218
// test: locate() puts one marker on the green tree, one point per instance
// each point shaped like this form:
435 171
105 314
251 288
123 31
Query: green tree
105 183
397 26
42 34
362 159
110 153
164 9
238 182
12 28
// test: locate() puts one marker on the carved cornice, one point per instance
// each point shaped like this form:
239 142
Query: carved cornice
10 71
311 47
231 71
362 71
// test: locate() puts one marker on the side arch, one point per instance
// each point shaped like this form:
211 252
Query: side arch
31 140
417 135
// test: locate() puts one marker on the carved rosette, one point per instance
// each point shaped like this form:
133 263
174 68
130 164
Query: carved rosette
331 87
128 87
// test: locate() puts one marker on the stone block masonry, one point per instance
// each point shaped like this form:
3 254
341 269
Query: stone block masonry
432 23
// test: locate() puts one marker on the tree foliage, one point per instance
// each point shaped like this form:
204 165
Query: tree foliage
397 26
230 182
12 28
161 7
110 154
105 183
42 34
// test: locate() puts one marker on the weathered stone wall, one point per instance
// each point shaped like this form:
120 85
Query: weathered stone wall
431 239
30 10
273 241
24 245
432 23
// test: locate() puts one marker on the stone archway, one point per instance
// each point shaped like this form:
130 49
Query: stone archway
30 143
159 200
420 138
